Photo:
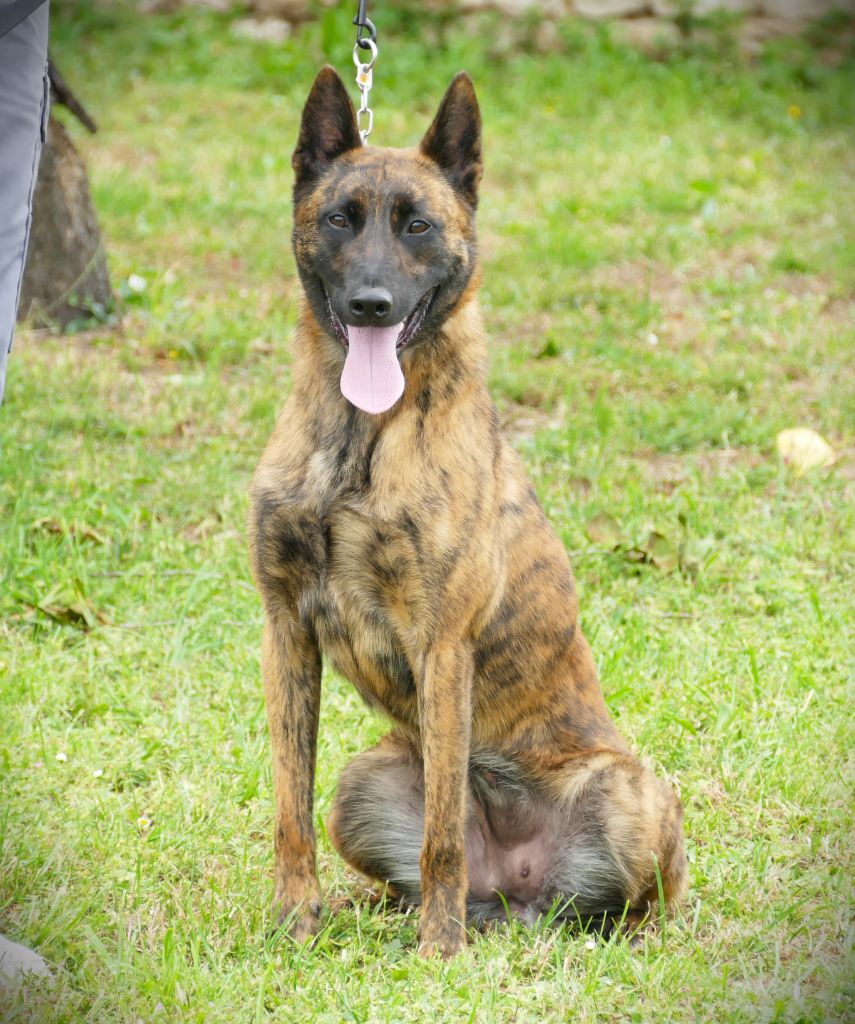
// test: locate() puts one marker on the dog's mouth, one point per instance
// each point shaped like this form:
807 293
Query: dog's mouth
410 328
372 378
414 321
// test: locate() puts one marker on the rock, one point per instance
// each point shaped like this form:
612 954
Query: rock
669 8
804 10
262 30
514 8
547 38
293 11
169 6
652 35
610 8
754 33
16 962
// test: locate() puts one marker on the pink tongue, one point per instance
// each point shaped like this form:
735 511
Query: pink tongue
372 377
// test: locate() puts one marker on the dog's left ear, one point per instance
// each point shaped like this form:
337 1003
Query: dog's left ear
453 141
327 130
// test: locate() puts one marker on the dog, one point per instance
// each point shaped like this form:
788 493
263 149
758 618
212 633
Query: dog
394 531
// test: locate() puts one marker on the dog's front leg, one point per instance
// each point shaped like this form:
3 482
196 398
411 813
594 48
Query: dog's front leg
291 665
444 720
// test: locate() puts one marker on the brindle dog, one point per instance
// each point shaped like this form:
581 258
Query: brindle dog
395 531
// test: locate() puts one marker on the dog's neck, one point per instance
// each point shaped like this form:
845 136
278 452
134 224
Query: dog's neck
438 370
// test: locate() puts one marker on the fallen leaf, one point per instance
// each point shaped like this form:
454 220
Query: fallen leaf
605 529
87 533
80 614
661 551
802 449
50 525
47 525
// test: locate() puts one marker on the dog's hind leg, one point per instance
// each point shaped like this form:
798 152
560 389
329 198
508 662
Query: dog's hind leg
377 825
377 819
619 828
588 842
584 843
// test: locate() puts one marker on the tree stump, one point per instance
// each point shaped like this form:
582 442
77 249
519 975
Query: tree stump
65 277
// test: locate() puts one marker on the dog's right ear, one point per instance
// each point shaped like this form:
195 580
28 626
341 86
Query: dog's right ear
327 130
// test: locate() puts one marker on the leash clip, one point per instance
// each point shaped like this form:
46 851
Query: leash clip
364 80
363 22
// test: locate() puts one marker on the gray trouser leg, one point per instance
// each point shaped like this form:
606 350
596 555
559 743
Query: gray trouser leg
24 93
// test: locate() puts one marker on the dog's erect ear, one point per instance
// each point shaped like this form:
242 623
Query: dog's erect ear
453 141
327 130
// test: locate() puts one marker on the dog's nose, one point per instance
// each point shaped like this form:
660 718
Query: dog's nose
370 306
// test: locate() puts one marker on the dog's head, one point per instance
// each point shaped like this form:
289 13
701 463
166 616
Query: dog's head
384 238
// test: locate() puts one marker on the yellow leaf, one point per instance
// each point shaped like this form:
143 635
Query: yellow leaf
802 449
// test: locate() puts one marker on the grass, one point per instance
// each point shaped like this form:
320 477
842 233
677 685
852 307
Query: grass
669 281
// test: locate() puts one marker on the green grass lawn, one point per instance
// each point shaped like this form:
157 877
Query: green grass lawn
669 282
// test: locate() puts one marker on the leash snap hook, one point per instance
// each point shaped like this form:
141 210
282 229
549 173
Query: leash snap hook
363 22
362 42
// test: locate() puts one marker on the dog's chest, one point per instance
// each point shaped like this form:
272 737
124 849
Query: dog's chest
368 596
364 603
356 534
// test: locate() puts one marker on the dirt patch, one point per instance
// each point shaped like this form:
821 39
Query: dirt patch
681 320
688 307
659 36
532 332
669 287
520 422
667 471
839 313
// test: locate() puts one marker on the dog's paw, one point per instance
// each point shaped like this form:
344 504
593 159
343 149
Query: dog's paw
448 939
633 927
300 920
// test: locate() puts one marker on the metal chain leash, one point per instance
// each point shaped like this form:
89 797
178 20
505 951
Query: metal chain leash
364 69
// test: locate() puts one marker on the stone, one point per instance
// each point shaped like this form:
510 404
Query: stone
652 35
610 8
262 30
804 10
17 962
668 8
294 11
515 8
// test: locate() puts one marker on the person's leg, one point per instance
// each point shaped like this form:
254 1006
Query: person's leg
24 93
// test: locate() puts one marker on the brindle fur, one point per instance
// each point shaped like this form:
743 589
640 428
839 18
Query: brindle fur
411 550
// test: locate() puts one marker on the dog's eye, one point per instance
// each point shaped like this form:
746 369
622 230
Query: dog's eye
338 220
418 227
